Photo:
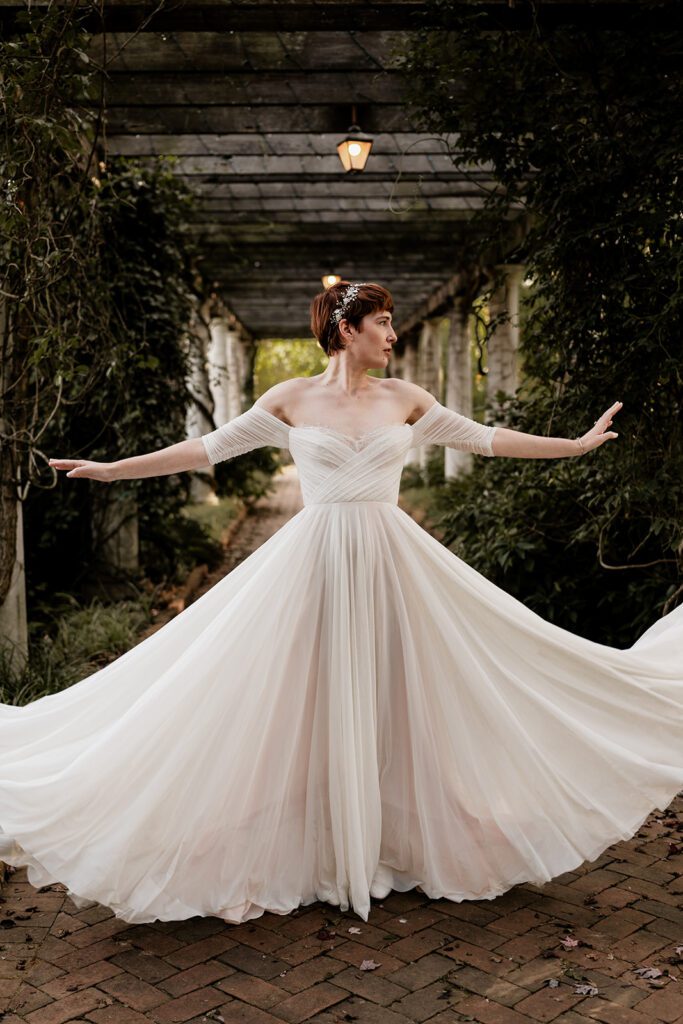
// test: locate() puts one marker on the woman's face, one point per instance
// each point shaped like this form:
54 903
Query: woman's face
372 342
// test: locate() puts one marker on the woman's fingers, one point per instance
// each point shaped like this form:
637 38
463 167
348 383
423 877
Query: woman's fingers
74 467
606 418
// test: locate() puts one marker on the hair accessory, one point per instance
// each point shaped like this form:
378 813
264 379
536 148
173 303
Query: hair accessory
350 294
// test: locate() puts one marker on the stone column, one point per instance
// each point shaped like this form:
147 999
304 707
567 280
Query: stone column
234 359
218 370
248 351
504 341
429 365
116 529
458 383
198 420
13 617
410 374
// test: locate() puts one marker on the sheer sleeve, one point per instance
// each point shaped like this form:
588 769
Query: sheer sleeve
440 425
255 428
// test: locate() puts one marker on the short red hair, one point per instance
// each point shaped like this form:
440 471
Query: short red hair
371 298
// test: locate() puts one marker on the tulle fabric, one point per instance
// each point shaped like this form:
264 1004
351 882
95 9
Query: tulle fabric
351 709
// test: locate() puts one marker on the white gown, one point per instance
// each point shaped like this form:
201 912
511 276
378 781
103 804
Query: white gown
352 709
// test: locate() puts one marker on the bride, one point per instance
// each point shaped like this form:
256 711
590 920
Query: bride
352 709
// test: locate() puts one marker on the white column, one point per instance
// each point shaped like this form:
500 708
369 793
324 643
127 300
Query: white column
218 370
429 362
198 421
13 619
396 363
410 374
115 528
458 383
235 368
503 343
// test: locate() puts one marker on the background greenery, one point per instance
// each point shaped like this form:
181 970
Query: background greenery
583 132
99 280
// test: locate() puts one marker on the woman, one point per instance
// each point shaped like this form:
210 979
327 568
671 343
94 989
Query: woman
353 708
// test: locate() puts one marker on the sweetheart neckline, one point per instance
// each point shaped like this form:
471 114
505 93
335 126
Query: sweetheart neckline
348 437
339 433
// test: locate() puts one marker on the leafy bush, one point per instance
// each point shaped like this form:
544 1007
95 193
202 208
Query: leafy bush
582 131
73 645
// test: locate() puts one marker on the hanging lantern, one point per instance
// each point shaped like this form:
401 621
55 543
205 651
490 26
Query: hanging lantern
355 148
330 279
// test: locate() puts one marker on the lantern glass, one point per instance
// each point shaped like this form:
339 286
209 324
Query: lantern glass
330 279
354 151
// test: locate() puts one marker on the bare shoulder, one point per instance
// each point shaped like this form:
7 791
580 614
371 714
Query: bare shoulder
280 396
416 400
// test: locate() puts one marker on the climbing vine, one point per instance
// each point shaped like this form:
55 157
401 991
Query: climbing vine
580 129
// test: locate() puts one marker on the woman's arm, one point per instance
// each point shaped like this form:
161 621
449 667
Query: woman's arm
255 428
516 444
189 454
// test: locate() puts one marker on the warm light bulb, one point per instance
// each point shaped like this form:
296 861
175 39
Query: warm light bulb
355 149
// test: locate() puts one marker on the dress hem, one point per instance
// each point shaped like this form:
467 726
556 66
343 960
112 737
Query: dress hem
39 874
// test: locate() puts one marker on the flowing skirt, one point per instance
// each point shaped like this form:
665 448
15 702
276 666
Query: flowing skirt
352 709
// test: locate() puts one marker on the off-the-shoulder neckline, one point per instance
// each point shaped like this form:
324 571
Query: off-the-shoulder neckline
383 426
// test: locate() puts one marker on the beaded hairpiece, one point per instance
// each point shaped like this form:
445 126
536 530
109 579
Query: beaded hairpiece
349 295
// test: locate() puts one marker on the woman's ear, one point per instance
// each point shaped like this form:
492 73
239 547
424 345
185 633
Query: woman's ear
345 330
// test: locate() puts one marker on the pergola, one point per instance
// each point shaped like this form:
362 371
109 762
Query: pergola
251 98
253 116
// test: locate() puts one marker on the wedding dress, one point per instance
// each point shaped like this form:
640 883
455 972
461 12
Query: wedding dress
351 709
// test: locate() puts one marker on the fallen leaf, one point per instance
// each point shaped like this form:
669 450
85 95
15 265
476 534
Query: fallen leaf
552 983
648 972
568 942
369 965
354 931
586 990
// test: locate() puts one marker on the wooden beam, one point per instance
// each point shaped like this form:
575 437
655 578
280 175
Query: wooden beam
188 119
256 50
337 15
253 88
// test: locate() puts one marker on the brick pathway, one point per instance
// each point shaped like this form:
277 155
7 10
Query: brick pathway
568 951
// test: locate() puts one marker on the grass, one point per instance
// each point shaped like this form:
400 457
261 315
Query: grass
80 641
215 519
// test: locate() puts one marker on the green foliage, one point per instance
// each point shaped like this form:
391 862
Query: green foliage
582 130
76 643
280 359
99 281
140 401
214 520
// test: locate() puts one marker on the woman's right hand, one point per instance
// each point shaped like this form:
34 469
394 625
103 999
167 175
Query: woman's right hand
103 471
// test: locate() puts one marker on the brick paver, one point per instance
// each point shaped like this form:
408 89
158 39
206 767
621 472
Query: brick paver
499 961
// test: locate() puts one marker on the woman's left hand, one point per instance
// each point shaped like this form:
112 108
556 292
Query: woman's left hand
599 433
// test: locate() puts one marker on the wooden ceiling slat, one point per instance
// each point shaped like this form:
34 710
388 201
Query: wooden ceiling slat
192 120
277 167
336 15
260 88
256 51
271 144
